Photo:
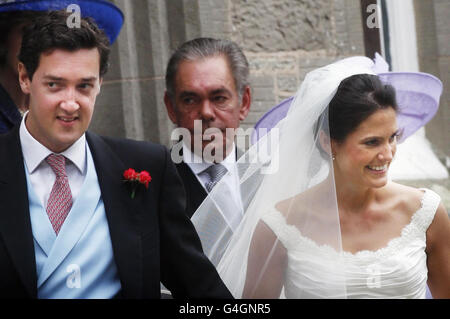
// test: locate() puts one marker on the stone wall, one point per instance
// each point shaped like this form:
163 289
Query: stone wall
277 26
131 103
284 40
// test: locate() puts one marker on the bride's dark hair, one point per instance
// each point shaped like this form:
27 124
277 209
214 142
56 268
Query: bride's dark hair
357 98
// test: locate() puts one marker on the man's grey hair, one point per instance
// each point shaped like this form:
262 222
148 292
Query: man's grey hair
201 48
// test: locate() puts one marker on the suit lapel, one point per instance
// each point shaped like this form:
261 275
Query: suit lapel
15 225
194 190
121 213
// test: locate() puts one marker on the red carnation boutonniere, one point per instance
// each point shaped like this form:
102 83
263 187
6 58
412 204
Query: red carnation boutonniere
135 178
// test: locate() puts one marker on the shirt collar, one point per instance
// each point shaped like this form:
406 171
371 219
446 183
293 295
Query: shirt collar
34 152
197 164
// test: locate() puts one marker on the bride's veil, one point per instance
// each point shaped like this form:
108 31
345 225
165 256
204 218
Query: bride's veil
289 201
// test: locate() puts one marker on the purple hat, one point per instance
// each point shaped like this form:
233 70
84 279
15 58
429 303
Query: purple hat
107 16
271 118
417 98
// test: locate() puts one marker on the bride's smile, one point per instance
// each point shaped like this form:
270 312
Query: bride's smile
365 155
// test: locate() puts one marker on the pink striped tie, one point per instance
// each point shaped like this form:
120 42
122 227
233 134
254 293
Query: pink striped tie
60 200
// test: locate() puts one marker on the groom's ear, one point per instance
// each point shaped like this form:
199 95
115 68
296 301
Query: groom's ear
24 79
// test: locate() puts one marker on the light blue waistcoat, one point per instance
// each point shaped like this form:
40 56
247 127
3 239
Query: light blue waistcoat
78 263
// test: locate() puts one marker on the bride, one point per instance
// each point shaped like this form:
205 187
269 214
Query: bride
322 219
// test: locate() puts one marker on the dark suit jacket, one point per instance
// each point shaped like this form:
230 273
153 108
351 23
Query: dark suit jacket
152 239
195 193
9 114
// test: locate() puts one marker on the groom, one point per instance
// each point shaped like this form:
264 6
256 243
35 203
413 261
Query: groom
70 227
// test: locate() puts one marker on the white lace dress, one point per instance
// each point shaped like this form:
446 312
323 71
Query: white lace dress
398 270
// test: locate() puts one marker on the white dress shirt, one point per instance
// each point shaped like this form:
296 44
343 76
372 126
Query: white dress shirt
231 179
41 174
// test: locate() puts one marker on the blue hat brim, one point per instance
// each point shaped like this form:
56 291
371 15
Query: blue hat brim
108 17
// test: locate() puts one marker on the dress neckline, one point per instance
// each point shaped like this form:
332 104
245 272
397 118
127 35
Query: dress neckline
394 242
392 246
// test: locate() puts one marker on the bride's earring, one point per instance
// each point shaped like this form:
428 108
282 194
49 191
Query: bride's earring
333 157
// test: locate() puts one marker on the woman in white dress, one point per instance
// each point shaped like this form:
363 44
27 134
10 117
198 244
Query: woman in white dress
325 221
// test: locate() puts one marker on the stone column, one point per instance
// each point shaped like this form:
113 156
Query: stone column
131 103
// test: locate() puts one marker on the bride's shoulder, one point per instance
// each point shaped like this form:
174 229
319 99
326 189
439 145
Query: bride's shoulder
297 203
316 199
407 198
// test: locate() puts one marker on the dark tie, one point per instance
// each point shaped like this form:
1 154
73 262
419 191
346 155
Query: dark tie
60 200
215 173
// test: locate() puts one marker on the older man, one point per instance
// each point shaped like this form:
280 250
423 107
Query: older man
207 94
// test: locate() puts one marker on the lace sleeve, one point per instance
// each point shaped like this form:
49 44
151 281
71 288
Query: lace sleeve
430 202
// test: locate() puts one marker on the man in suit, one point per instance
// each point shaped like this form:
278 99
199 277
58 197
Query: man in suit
70 227
207 89
14 16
